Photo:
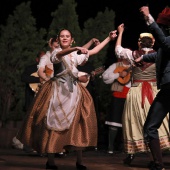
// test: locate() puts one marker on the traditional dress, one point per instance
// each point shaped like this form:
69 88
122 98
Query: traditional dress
138 101
62 114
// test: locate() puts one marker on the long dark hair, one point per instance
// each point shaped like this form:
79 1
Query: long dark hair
53 39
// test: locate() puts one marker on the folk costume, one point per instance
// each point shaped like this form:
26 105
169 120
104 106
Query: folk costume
138 102
62 114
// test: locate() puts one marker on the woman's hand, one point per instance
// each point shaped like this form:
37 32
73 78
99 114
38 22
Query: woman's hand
123 74
138 62
121 28
43 80
83 78
139 59
95 41
82 50
113 35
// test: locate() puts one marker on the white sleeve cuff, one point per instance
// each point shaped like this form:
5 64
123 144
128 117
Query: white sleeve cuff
149 20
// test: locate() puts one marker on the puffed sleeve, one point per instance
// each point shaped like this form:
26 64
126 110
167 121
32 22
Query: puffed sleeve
80 58
53 57
109 76
124 53
42 62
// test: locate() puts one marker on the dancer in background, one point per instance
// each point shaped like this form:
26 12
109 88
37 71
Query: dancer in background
45 67
29 79
115 75
34 76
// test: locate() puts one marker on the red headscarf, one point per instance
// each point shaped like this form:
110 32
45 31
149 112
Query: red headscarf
164 17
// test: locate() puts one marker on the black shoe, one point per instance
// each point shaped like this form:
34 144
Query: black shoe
80 167
129 159
61 154
28 149
151 164
48 166
157 166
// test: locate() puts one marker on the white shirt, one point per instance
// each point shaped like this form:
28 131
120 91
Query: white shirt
109 76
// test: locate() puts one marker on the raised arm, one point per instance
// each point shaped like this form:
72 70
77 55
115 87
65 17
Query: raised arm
118 45
120 34
93 41
154 28
95 50
121 52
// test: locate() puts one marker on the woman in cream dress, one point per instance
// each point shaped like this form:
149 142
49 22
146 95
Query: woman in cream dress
139 98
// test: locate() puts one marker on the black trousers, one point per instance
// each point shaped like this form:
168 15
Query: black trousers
158 110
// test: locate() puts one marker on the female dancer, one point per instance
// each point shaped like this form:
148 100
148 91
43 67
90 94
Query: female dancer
139 97
63 114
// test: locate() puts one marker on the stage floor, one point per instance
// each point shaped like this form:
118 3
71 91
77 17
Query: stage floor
13 159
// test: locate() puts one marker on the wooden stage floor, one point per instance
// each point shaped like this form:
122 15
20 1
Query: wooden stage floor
13 159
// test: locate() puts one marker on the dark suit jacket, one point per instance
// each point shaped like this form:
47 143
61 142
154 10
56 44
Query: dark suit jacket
161 57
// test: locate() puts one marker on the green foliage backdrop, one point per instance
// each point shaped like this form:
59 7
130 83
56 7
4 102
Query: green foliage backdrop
20 41
19 44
